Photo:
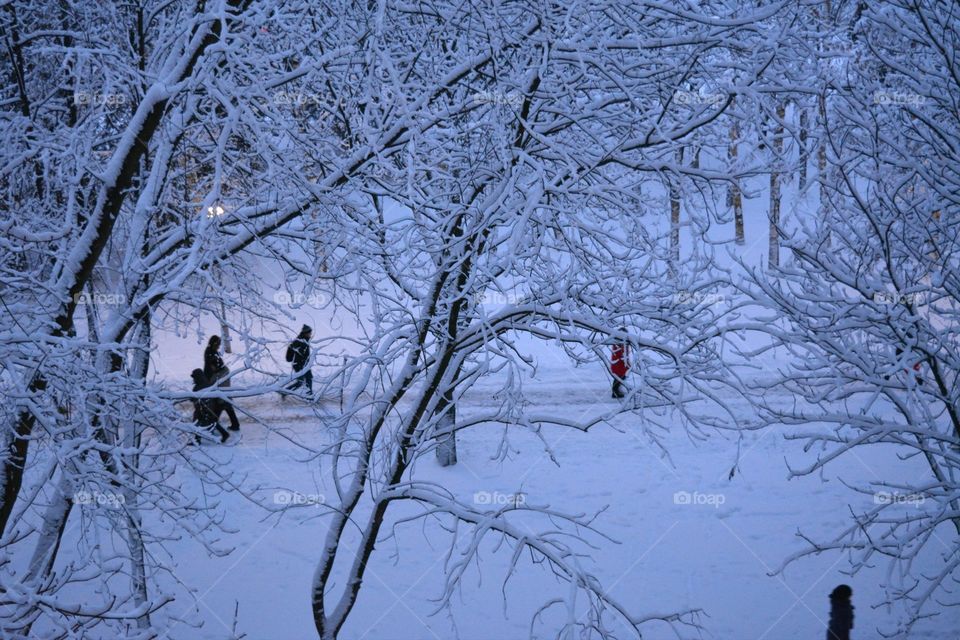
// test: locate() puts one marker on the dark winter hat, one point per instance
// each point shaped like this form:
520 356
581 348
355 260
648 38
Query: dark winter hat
306 329
841 592
197 375
214 339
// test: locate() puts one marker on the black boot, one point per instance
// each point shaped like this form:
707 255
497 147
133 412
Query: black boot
617 389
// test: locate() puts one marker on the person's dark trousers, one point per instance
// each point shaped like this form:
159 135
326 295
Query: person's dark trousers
232 415
219 405
301 380
618 391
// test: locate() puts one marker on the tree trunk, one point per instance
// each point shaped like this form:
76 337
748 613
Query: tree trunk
83 257
777 149
734 197
224 328
447 444
674 189
804 124
131 463
822 157
53 524
822 164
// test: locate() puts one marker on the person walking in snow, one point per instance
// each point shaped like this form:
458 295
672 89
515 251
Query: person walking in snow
213 366
619 365
205 415
298 354
216 373
841 613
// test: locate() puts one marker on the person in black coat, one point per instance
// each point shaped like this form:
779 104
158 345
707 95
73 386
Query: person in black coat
841 613
205 413
213 366
298 354
216 371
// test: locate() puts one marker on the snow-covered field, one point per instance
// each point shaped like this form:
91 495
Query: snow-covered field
681 534
715 553
752 206
718 553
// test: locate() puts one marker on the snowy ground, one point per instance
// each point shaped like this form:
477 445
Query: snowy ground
668 556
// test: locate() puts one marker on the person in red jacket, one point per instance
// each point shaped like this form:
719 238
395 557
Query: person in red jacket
619 365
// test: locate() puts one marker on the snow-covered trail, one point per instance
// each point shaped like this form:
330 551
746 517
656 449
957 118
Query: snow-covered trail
686 535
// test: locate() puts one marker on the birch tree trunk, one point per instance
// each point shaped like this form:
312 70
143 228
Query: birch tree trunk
734 196
674 189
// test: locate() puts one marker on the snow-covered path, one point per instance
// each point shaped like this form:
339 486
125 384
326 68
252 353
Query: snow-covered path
687 537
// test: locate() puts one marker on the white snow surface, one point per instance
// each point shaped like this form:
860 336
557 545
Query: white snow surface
717 555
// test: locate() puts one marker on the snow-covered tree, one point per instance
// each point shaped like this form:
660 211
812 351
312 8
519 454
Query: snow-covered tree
125 139
868 302
521 216
452 176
